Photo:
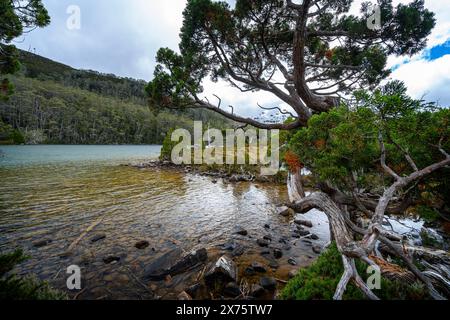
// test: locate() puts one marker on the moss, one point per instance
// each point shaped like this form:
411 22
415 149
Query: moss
13 287
319 282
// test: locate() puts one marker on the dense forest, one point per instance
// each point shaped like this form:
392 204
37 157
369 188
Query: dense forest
56 104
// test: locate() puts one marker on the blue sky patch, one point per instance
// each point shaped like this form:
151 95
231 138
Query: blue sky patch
439 51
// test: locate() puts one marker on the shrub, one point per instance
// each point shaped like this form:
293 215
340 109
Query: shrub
13 287
319 282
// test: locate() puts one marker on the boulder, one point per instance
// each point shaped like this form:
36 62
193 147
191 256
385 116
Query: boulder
268 283
267 226
285 211
314 236
268 237
222 272
317 249
142 244
232 290
302 222
257 291
171 263
258 267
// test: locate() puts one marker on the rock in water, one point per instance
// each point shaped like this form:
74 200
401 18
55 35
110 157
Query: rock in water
98 237
258 267
142 244
171 264
241 231
277 253
285 211
111 259
224 271
257 291
268 283
262 242
317 249
232 290
305 223
41 243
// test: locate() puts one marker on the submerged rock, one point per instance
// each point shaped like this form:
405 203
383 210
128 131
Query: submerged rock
111 259
241 231
98 237
277 253
262 242
222 272
142 244
42 243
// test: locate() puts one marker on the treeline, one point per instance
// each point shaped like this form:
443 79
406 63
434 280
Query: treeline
56 104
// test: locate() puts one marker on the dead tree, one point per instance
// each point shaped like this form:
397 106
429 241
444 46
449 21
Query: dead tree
344 229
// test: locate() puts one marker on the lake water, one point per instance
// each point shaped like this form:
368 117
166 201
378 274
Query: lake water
56 192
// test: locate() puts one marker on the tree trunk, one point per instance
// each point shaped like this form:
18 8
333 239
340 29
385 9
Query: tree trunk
295 186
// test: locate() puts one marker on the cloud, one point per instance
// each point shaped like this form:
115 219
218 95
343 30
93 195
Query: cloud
122 37
427 79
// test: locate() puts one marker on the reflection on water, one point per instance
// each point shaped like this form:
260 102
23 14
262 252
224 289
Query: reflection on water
57 199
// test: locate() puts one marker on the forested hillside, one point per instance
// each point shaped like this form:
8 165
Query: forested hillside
54 103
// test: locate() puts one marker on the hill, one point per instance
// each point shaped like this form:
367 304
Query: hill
55 103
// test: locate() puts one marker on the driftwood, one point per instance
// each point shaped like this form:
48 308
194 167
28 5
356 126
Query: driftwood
83 234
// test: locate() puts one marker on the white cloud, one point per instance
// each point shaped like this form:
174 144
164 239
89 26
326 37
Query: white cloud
428 79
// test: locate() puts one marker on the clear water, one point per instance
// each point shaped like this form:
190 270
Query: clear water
56 192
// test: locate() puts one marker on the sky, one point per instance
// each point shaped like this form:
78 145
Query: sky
122 37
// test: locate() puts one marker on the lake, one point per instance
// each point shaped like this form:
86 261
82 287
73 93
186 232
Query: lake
56 192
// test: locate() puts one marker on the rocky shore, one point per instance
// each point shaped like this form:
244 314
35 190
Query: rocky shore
228 173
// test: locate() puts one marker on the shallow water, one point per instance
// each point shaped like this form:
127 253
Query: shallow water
56 192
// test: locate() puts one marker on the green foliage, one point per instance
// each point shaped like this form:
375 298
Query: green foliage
28 288
319 282
426 213
344 142
239 45
16 17
57 104
8 135
167 146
